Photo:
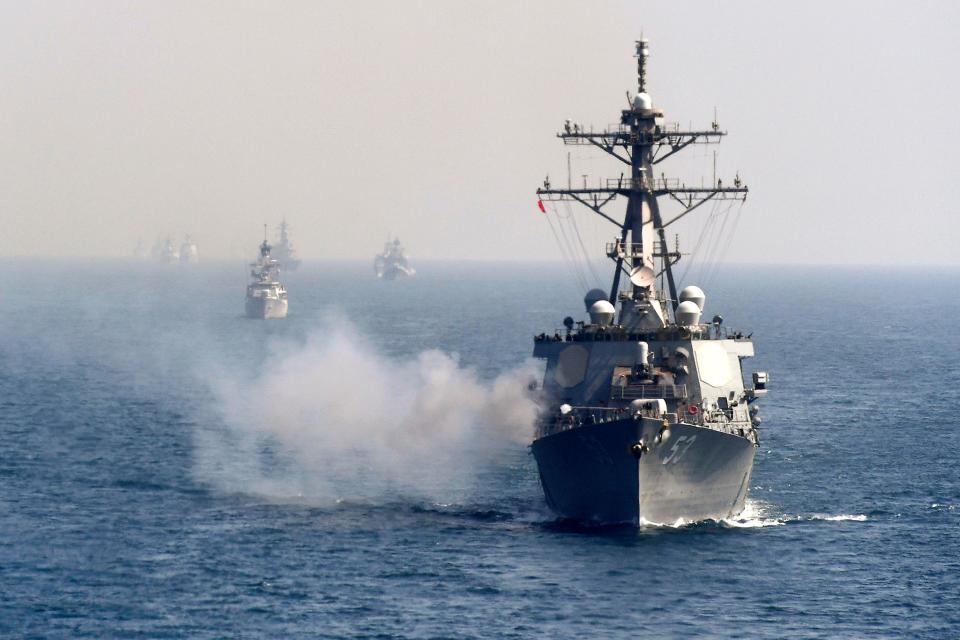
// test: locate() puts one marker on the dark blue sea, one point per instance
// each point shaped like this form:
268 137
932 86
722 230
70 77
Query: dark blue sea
169 469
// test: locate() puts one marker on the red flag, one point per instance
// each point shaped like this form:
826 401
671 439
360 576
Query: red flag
540 204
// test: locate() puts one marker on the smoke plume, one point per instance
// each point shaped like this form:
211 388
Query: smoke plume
334 419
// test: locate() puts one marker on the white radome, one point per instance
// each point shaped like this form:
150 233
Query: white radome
693 294
602 312
687 313
642 101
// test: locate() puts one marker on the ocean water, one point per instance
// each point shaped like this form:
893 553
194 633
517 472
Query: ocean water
171 469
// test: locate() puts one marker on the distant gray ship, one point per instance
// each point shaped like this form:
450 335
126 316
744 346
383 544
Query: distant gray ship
392 262
189 252
266 297
646 416
283 251
165 251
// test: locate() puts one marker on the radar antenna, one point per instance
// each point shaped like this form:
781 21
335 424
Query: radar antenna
640 141
643 50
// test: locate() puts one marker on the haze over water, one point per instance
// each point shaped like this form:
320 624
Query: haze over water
141 499
361 469
124 122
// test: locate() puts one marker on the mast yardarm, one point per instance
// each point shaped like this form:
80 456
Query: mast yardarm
640 251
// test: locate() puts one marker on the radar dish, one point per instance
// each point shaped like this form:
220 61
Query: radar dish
642 276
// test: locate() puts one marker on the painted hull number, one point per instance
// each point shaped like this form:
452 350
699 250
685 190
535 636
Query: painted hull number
679 448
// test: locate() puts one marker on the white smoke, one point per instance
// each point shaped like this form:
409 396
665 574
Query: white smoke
334 419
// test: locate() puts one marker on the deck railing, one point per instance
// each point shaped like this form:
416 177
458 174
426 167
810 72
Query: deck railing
651 391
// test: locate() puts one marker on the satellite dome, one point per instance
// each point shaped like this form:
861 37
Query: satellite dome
687 313
602 312
693 294
594 295
642 101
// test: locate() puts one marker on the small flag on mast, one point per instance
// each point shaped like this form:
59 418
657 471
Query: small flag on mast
540 204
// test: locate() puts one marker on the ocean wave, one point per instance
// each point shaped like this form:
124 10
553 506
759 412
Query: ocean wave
839 518
757 515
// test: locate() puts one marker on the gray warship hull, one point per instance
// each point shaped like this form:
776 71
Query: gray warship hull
266 308
392 273
589 474
646 416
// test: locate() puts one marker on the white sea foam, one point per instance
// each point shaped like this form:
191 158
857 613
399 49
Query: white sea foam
840 518
755 514
650 524
334 418
758 514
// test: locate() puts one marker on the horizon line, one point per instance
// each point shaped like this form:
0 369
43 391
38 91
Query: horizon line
480 261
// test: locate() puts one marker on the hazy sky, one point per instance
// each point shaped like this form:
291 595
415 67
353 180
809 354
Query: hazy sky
122 121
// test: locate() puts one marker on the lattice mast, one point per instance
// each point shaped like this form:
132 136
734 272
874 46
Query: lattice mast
641 141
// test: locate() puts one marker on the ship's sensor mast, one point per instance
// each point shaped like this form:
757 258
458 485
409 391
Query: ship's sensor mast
640 141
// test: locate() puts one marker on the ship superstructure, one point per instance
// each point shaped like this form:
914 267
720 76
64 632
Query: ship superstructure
393 262
266 297
283 251
189 252
165 251
646 418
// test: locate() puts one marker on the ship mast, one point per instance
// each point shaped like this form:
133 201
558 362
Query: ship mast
640 141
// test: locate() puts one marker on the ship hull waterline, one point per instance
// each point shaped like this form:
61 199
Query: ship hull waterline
266 308
590 475
392 273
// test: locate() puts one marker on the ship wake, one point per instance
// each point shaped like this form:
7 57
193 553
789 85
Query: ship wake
333 419
757 515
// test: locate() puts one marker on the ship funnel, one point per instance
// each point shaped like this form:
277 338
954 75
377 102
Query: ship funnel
601 313
594 295
695 295
687 313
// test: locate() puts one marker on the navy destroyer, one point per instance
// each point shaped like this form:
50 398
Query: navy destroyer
646 415
164 251
266 297
189 253
392 262
283 252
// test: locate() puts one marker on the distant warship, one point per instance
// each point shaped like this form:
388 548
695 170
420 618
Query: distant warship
189 253
392 262
266 297
646 416
283 251
164 251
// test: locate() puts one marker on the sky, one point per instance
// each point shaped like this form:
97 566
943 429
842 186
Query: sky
435 121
